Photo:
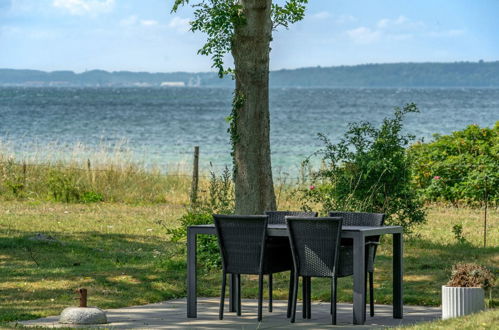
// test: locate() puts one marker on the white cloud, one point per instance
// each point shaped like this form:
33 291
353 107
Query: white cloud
400 22
363 35
135 21
26 6
447 33
85 7
386 22
148 22
24 33
400 36
400 28
321 15
344 19
340 20
180 24
131 20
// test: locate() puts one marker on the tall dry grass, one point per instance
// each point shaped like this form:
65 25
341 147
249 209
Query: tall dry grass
106 173
84 176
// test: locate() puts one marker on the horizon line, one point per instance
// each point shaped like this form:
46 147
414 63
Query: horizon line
276 70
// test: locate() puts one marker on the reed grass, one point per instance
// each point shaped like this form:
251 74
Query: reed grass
108 178
101 177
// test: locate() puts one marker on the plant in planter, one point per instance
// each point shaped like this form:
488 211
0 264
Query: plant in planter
465 292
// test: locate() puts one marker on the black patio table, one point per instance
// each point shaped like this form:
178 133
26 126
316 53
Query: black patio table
357 233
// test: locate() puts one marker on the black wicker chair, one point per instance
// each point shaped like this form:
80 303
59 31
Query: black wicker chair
244 249
279 218
362 219
315 246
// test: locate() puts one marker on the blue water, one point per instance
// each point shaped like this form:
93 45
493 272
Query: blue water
162 125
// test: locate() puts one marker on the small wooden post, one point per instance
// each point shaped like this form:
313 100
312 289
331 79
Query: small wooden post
91 176
195 176
83 297
24 172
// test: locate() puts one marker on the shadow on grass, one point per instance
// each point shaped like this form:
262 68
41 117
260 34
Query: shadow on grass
39 277
427 266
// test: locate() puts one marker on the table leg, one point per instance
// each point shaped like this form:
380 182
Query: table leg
398 273
359 274
233 293
191 274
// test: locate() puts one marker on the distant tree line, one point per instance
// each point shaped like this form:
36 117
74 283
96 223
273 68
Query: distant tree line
458 74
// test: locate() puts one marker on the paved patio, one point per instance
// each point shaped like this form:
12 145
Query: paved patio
172 315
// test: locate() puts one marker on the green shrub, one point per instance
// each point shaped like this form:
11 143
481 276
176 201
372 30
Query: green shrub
459 168
220 199
65 186
369 171
457 230
12 179
91 197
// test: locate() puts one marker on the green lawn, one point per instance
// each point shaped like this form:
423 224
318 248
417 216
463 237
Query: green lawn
487 320
121 253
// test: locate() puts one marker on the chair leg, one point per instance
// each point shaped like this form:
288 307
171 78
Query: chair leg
304 297
334 284
270 293
371 294
365 292
332 296
331 305
260 296
295 297
309 297
290 294
239 310
222 297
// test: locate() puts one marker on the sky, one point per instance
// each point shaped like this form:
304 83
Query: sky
143 35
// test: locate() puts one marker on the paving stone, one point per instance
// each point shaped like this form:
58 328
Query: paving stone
172 315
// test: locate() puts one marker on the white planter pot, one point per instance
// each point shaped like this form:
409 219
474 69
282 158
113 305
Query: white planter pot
461 301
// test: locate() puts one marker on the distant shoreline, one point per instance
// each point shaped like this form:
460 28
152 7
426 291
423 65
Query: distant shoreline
394 75
270 87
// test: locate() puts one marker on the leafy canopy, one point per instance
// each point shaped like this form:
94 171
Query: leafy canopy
218 19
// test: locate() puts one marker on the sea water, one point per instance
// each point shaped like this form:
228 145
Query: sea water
160 126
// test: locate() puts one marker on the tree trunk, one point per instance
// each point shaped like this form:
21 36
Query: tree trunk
254 187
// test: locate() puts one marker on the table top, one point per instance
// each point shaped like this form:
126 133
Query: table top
281 230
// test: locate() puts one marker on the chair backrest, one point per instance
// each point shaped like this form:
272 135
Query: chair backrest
360 218
315 245
278 217
241 239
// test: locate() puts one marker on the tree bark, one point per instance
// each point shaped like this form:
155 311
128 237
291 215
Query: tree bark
254 188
